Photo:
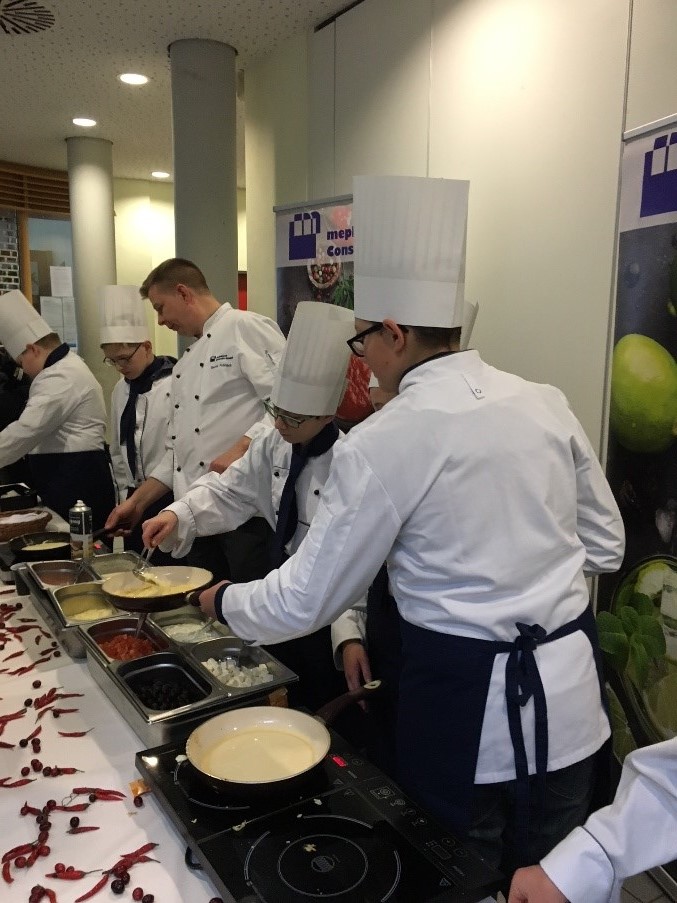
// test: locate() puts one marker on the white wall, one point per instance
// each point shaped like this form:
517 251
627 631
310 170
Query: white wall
652 83
526 99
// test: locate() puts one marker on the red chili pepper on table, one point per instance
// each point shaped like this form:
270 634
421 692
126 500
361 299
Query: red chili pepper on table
5 872
20 783
57 712
100 793
4 745
29 810
51 896
17 851
34 734
68 695
82 829
13 655
94 890
44 712
76 807
74 733
75 875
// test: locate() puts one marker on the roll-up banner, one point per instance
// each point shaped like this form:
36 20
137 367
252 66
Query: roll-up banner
314 258
637 608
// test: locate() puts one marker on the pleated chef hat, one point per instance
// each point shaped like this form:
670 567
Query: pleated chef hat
122 315
311 375
410 249
20 323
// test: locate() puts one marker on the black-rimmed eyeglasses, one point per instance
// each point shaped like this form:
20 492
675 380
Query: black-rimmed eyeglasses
121 360
287 419
356 344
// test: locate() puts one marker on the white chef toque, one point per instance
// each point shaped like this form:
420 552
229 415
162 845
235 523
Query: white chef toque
311 376
410 249
20 323
122 315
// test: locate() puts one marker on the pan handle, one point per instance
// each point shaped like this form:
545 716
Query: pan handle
190 861
329 712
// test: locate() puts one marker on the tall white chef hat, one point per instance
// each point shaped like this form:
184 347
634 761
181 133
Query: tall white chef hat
311 375
20 323
410 249
122 315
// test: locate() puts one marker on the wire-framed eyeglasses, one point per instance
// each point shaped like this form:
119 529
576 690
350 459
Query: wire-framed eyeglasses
287 419
121 359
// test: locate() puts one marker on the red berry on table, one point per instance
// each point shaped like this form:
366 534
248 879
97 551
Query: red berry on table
137 893
37 684
138 801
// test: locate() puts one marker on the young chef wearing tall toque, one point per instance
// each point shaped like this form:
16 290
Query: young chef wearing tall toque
484 495
216 396
281 475
62 426
140 405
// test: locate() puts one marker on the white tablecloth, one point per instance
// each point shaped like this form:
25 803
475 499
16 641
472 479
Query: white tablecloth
106 758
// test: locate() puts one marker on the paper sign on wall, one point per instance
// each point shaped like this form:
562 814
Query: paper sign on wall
61 279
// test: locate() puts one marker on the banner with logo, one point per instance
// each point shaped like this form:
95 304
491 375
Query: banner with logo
314 256
637 608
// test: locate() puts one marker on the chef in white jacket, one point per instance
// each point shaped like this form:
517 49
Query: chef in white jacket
63 425
636 832
281 475
487 500
216 395
140 403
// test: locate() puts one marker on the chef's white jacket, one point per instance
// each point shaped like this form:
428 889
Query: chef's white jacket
216 393
636 832
487 500
65 413
150 434
253 484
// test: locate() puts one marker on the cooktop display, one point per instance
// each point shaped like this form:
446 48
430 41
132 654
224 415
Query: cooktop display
348 834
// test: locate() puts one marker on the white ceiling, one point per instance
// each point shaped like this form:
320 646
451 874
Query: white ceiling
70 69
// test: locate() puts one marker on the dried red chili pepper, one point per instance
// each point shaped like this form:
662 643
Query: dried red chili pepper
68 695
68 770
13 655
51 896
94 890
5 872
17 851
44 712
76 807
12 716
146 848
57 712
82 829
74 733
29 810
74 875
100 793
34 734
4 745
20 783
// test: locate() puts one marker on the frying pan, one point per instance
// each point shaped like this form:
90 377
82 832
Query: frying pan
63 550
258 751
173 585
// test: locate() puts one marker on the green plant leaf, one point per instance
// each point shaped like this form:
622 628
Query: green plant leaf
643 604
650 634
625 595
629 618
613 639
638 663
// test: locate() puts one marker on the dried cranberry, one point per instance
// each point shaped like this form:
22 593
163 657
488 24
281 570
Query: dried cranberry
37 684
47 770
55 714
59 867
57 654
124 877
23 743
74 822
117 886
42 836
44 850
28 703
137 893
92 797
71 868
36 764
51 804
147 898
20 862
25 771
138 801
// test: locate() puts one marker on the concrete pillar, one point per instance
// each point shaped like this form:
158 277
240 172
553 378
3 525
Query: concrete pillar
90 182
205 175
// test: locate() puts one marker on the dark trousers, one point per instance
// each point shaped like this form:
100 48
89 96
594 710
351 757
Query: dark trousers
567 800
240 555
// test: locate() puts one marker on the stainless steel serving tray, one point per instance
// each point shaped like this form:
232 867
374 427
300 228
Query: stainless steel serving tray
70 637
245 657
187 614
53 574
122 682
70 601
103 566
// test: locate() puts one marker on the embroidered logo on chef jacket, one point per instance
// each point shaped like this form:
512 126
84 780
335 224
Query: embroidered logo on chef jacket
220 360
659 182
303 230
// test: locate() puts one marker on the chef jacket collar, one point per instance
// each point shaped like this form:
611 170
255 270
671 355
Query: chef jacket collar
209 323
433 357
467 356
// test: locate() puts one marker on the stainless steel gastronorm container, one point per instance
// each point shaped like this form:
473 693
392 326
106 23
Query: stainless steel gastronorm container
122 682
52 574
188 614
113 563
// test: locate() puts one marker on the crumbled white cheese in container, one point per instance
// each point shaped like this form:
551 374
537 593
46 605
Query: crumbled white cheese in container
186 631
238 675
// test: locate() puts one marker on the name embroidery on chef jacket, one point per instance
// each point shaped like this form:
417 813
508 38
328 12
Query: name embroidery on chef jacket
220 360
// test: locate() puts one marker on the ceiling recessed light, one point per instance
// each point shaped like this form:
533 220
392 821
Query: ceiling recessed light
159 174
133 78
85 123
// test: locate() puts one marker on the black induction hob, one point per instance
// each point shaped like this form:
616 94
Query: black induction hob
350 835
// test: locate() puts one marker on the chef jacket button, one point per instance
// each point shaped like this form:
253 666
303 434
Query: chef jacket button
202 363
197 398
202 463
173 437
178 376
176 405
317 492
166 394
178 469
276 473
209 335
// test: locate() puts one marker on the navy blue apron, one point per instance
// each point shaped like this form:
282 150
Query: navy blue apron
61 478
443 692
